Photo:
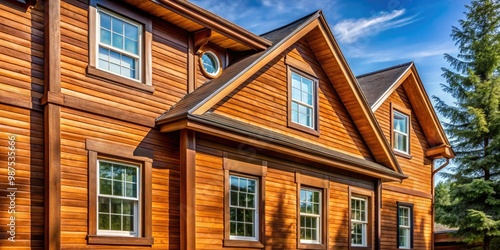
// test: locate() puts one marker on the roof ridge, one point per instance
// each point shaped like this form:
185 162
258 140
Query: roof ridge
385 69
291 23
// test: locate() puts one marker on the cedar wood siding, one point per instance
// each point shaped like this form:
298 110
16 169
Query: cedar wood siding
262 101
418 168
21 85
107 123
280 201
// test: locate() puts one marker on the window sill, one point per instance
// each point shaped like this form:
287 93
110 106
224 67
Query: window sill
311 246
361 248
243 243
118 80
402 154
118 240
303 128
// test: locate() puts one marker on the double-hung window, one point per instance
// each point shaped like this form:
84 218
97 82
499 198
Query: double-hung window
243 208
405 225
119 45
359 221
401 128
310 215
303 108
118 199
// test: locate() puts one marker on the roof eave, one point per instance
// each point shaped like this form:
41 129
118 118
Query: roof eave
216 23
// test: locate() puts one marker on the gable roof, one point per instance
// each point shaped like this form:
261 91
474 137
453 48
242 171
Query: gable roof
379 85
334 64
376 84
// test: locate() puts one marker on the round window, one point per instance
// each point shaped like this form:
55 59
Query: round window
211 64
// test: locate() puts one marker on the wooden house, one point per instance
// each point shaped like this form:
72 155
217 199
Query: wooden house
141 124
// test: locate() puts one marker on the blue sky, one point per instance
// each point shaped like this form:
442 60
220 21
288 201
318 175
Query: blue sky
372 34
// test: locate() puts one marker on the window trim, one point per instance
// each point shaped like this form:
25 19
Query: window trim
249 168
405 112
214 55
145 58
355 192
411 219
313 182
311 130
98 150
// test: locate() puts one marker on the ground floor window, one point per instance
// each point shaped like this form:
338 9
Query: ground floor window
310 215
243 207
405 225
359 221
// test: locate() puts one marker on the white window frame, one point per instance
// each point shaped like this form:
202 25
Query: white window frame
407 118
256 209
364 223
138 58
314 98
407 228
137 200
318 217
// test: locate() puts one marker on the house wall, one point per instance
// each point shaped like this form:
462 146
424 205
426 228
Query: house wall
280 198
417 188
262 101
21 86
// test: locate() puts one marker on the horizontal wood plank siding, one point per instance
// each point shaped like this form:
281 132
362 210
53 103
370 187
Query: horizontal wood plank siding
21 86
76 127
169 48
418 168
262 101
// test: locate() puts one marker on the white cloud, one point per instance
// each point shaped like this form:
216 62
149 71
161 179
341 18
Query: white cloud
351 30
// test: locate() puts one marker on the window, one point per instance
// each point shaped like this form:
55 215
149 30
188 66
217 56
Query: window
118 199
119 42
210 64
119 45
312 211
359 221
405 225
310 215
119 194
361 214
303 107
243 209
400 138
244 192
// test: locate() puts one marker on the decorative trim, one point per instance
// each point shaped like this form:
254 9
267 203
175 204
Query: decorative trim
408 191
300 65
188 189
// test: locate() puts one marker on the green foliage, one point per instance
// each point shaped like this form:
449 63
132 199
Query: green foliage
470 200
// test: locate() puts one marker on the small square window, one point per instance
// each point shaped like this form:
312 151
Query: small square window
401 128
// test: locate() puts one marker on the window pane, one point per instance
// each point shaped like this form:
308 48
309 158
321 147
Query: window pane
105 37
128 223
295 80
234 183
117 41
131 31
131 46
118 188
103 205
232 214
295 116
296 94
103 222
115 57
117 25
105 20
251 186
243 185
242 200
116 222
250 201
116 206
233 199
128 207
232 228
104 186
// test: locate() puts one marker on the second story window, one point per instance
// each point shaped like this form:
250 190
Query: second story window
303 101
401 128
119 45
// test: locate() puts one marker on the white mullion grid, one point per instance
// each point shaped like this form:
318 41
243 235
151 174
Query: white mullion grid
136 58
406 228
396 131
317 216
364 222
254 210
123 197
300 103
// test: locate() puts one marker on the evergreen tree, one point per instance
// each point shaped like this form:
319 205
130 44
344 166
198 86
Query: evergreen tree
472 201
